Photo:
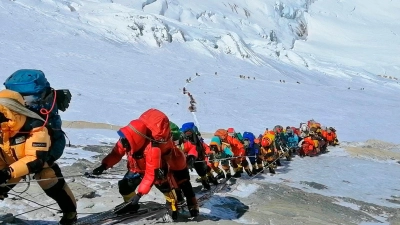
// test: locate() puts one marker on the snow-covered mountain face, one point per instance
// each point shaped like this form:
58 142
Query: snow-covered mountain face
259 63
334 61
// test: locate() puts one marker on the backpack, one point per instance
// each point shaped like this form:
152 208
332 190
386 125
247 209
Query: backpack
37 93
239 136
221 133
158 123
176 133
194 138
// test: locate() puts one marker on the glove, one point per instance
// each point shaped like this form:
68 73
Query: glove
99 170
135 199
63 99
190 161
5 175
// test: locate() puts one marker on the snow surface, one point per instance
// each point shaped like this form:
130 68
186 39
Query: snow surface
121 57
342 176
128 57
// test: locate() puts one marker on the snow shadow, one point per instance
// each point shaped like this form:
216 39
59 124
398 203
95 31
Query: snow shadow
18 221
223 208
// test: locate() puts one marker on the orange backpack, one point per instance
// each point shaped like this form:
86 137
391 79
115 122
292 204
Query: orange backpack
221 133
158 123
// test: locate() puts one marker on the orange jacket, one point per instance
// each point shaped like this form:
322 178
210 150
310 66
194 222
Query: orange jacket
330 136
24 141
144 157
308 145
236 145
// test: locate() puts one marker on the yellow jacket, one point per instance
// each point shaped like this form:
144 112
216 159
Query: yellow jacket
24 142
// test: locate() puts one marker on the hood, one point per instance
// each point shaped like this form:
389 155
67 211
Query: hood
249 136
134 132
11 105
216 141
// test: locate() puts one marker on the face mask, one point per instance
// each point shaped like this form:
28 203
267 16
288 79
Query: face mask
3 118
246 143
31 99
125 144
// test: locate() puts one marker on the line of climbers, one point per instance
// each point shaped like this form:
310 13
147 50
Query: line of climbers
159 153
232 149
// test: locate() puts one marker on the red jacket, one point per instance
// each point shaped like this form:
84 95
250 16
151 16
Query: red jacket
144 157
206 148
190 149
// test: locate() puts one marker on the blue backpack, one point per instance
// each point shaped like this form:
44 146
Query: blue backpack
194 138
37 93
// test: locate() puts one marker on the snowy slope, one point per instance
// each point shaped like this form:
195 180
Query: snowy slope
121 57
88 47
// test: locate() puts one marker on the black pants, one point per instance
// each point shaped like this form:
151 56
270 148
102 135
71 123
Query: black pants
131 181
201 168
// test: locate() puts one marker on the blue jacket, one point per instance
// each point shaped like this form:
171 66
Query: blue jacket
292 140
252 149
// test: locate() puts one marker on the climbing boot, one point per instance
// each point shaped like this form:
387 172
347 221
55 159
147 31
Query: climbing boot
237 174
278 162
68 218
174 215
271 170
212 179
193 207
205 184
249 172
220 175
